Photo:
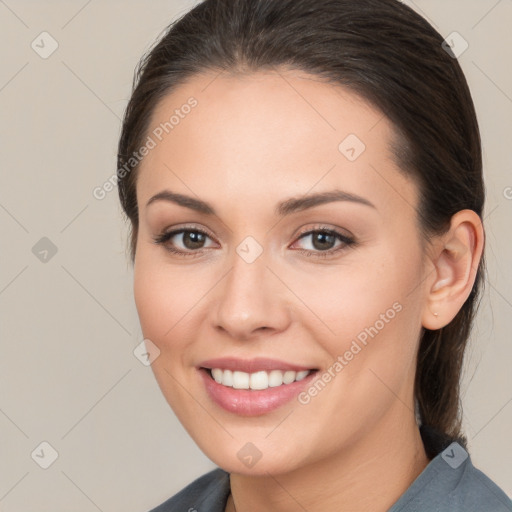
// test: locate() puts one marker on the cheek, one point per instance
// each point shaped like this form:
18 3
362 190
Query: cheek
152 302
162 303
382 329
370 320
152 299
347 299
164 296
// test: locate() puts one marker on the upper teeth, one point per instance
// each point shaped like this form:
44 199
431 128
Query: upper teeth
257 380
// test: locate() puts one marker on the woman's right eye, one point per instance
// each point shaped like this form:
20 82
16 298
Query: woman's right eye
191 239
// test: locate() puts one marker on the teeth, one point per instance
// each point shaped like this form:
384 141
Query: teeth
258 380
240 380
275 378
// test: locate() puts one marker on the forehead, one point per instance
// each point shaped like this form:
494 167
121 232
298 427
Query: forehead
266 133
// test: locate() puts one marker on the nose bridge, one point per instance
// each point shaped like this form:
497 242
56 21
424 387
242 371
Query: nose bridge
251 297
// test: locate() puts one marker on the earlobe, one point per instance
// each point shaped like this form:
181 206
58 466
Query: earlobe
459 252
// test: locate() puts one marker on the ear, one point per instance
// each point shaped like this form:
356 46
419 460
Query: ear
455 259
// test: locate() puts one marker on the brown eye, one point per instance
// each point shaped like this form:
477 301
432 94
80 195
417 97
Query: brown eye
193 239
184 242
323 242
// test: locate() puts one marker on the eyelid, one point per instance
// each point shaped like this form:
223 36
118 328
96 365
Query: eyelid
187 227
322 227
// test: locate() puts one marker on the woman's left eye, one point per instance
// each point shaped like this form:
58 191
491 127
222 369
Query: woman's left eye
322 241
193 240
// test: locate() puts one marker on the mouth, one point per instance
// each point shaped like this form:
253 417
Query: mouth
256 387
258 380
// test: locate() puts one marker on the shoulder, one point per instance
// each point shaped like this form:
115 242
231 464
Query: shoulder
207 493
478 492
451 483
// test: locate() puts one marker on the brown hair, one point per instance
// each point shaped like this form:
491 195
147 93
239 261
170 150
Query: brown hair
383 51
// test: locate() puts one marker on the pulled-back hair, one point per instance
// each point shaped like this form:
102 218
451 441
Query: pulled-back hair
386 53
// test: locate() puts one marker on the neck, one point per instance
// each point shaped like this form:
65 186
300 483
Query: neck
370 475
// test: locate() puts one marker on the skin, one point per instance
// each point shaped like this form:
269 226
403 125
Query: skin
252 141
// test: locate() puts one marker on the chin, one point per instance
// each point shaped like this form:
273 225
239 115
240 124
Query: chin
258 458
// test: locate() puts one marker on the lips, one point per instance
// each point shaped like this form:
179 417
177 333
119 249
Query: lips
253 387
251 365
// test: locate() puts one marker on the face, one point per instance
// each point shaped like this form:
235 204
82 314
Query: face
252 281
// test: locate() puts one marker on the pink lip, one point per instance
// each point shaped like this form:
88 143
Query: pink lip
251 365
249 402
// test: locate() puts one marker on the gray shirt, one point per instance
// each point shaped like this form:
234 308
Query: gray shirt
450 483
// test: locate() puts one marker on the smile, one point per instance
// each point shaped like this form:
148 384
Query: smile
258 380
253 387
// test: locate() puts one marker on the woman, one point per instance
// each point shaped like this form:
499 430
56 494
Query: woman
304 185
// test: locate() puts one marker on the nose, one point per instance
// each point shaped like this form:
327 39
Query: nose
251 301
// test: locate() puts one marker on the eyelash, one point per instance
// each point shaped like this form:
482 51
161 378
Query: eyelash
164 237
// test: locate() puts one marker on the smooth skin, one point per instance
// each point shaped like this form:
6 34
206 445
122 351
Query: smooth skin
252 141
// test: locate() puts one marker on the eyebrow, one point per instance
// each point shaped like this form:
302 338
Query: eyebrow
286 207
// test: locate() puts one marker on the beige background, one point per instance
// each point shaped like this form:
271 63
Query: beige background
69 326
